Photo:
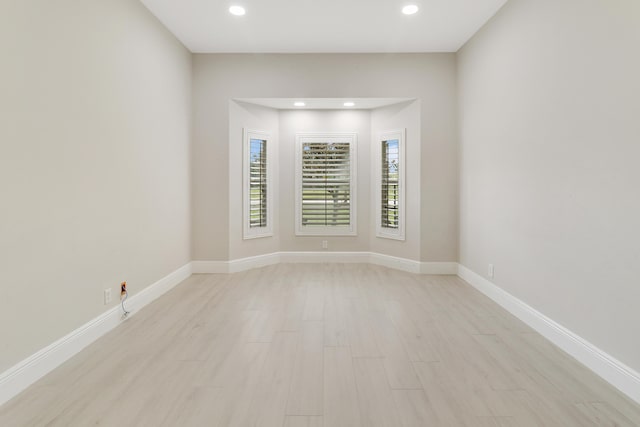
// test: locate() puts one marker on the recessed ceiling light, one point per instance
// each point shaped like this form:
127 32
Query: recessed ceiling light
299 104
237 10
410 9
349 104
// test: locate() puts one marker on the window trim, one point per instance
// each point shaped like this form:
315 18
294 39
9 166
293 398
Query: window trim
345 137
384 232
248 231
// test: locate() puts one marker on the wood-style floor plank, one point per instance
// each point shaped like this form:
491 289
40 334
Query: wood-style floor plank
311 345
341 408
377 407
306 391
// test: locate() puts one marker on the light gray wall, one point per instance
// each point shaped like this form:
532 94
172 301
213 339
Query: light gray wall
94 162
429 77
550 143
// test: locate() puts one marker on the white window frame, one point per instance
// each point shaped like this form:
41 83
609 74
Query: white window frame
385 232
352 139
248 231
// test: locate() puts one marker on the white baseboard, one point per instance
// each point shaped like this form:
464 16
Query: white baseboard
236 265
209 267
397 263
243 264
624 378
25 373
157 289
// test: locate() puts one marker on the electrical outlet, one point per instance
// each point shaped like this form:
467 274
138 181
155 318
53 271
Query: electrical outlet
490 271
325 244
123 289
107 296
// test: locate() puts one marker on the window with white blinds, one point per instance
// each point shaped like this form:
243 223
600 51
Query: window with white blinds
326 184
390 196
390 173
257 193
257 183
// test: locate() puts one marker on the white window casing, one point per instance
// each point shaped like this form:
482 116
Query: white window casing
257 175
389 171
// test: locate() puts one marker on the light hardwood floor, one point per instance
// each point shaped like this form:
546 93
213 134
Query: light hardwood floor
321 345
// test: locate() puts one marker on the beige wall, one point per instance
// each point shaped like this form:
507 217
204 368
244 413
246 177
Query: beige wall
428 77
94 164
550 142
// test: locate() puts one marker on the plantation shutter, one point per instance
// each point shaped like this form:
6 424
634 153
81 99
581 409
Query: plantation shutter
326 184
258 183
390 182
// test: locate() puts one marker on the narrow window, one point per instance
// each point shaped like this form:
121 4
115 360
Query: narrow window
257 175
258 183
326 189
390 197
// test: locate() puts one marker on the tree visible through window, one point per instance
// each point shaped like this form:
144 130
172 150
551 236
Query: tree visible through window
257 197
258 183
326 184
389 184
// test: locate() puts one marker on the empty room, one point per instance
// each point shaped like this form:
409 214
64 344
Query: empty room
320 213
